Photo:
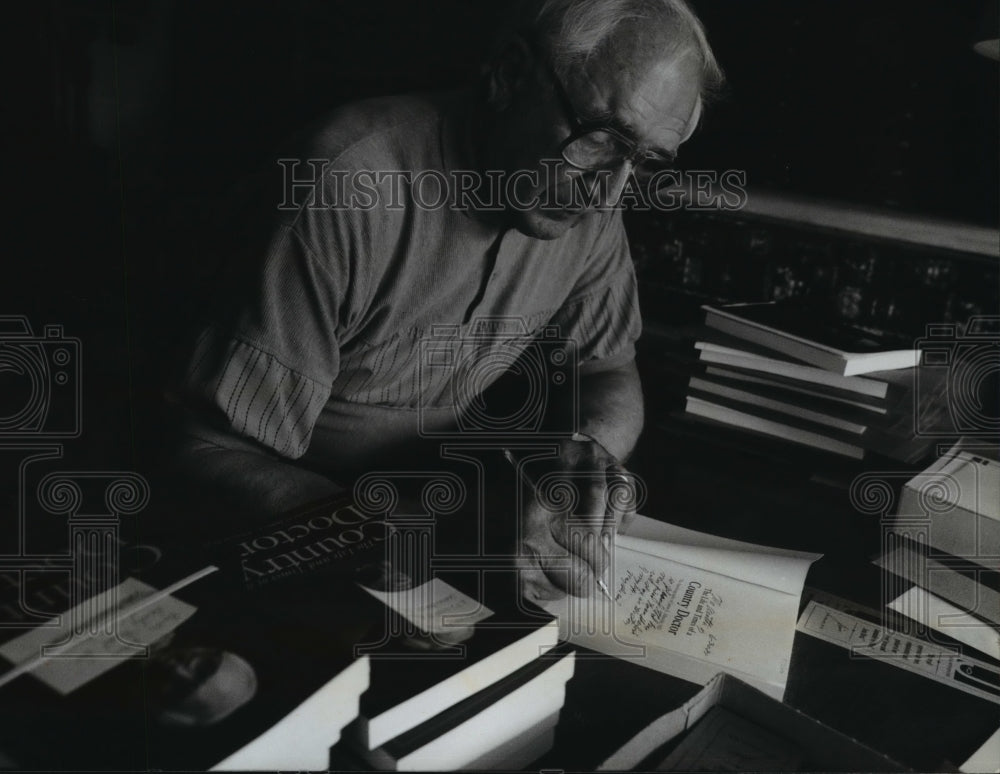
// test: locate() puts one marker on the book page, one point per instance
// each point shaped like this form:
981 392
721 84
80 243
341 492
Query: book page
775 568
689 621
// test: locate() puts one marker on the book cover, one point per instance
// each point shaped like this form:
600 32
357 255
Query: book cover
190 676
334 538
862 388
934 704
797 331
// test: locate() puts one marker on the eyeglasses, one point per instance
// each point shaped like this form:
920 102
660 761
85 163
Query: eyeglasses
593 146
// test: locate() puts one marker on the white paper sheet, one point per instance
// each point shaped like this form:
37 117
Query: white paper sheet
141 615
434 606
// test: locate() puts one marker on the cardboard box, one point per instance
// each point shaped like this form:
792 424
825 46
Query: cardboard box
820 748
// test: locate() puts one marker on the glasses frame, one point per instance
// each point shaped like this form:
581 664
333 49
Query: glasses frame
636 155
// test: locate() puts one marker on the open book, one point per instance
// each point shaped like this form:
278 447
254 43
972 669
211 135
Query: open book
691 605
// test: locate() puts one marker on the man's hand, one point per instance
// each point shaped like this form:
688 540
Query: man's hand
568 519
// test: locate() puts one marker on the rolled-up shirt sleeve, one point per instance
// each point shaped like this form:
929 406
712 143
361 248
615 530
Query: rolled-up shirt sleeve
266 365
602 315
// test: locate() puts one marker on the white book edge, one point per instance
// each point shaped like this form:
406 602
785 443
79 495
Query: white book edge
836 360
778 430
303 738
441 696
722 372
859 384
809 415
511 715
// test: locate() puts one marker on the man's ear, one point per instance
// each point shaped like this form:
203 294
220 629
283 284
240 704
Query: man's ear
508 72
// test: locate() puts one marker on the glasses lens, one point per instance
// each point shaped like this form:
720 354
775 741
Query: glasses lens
595 150
654 168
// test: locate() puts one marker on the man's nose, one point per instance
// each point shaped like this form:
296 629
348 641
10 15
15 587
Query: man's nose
616 185
611 184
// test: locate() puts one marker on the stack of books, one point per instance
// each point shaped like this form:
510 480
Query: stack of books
459 685
943 547
773 369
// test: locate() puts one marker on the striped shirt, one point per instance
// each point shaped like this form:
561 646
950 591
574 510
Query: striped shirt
348 332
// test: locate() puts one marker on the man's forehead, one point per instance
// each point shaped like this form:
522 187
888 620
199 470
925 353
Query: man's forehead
650 97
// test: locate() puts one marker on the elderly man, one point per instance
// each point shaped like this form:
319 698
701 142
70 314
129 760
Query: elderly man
312 372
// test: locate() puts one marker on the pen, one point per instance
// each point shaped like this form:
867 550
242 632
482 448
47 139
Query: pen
602 582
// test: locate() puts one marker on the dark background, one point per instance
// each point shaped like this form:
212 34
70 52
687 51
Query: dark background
882 102
127 121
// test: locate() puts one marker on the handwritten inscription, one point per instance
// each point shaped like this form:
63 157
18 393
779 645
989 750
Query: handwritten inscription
704 613
651 594
656 601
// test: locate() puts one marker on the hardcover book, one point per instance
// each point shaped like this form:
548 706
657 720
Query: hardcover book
796 331
496 727
443 645
867 389
333 537
957 500
189 676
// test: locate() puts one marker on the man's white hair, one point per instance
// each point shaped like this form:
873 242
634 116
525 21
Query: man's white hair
574 30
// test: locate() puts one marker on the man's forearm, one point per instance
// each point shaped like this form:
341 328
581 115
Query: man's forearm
611 409
242 478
